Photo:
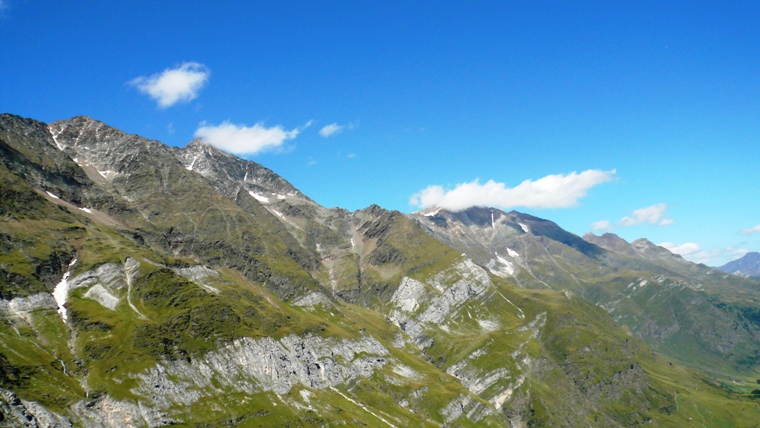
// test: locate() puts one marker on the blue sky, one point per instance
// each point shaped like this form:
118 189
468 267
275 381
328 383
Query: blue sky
659 104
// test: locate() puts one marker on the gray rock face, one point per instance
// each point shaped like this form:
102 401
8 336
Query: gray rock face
21 306
251 365
199 275
230 174
748 266
312 299
110 275
465 405
21 413
109 413
419 305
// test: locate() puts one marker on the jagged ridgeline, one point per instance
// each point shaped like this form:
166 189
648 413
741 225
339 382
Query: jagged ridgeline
144 285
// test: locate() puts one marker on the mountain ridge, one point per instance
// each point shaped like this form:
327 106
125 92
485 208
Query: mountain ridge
218 294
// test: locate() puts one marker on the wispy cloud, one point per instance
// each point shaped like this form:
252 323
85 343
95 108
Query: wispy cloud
173 85
3 5
601 225
750 230
692 252
334 128
552 191
653 214
248 140
331 129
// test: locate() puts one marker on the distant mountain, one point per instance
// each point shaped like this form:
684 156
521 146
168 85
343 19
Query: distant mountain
747 266
143 285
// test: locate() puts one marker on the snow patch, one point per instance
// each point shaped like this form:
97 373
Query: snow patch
192 164
52 195
61 293
501 266
525 228
55 139
431 214
108 174
87 210
512 253
260 198
281 197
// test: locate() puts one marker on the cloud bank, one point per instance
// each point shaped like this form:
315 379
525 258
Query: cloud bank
750 230
653 214
181 84
246 140
552 191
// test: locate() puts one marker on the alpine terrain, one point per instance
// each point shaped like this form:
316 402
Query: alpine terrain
144 285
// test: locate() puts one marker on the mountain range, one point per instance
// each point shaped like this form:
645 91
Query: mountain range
148 285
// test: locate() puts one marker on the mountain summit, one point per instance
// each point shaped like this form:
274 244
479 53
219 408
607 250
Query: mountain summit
748 266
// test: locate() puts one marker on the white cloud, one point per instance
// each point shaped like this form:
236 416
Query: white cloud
682 249
174 85
601 225
691 252
240 139
331 129
334 128
654 215
694 253
552 191
750 230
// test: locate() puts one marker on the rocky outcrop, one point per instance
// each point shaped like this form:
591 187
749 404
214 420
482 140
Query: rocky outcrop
419 305
252 365
15 412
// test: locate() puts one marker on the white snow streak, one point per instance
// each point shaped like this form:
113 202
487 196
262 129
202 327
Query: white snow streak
61 291
260 198
55 139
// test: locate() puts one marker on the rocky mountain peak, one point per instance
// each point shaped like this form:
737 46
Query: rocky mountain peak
748 266
611 242
648 249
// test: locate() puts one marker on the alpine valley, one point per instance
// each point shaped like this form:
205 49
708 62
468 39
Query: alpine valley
144 285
